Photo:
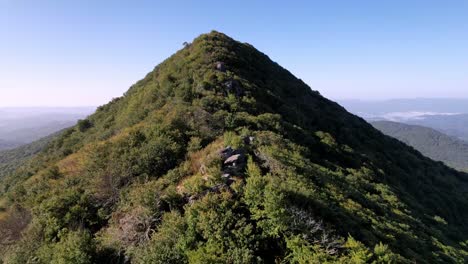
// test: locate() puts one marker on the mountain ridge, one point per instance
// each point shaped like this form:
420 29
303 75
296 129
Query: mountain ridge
145 178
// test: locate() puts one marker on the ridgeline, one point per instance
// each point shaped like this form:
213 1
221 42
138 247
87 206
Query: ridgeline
219 155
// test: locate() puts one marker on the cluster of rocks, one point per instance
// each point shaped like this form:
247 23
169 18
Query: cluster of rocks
231 85
220 66
234 162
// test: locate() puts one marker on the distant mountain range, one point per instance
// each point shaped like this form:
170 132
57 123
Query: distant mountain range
422 105
449 116
430 142
23 125
454 125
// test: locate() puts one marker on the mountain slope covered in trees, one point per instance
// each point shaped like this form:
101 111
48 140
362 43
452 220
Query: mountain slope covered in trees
219 155
430 142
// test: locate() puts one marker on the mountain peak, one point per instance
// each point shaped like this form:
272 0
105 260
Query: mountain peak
220 155
214 36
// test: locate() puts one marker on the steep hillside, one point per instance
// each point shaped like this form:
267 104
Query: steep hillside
431 143
219 155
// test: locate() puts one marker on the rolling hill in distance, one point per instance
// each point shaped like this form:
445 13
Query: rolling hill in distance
449 116
12 159
5 144
220 155
430 142
23 125
453 124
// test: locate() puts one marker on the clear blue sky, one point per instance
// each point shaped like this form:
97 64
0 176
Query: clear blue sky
72 53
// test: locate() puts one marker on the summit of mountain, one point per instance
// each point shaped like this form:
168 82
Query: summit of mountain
220 155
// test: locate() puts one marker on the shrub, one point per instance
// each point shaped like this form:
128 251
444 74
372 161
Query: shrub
75 247
166 245
84 124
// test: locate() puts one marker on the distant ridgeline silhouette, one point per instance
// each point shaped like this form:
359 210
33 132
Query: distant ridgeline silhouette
430 142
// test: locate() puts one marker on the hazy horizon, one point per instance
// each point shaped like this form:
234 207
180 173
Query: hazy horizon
86 53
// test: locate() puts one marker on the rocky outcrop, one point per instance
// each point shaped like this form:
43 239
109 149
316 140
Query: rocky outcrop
220 66
234 162
231 86
234 87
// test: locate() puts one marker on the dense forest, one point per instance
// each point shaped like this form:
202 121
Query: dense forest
219 155
430 142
